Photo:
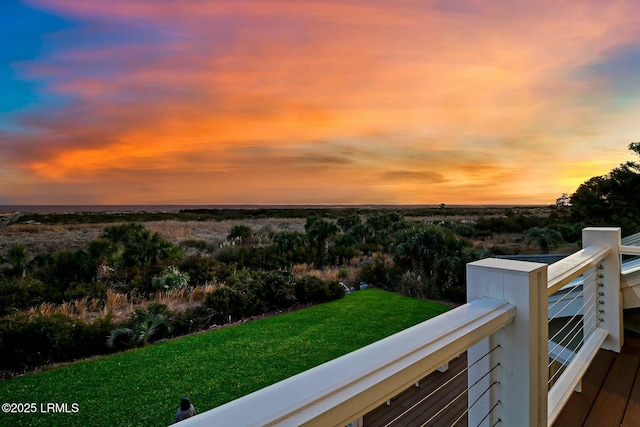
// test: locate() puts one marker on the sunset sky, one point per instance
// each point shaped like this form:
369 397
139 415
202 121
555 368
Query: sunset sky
314 102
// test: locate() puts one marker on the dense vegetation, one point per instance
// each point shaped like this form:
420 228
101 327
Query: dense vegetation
247 275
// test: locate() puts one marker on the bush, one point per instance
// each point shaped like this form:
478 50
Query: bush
312 290
143 327
170 279
198 244
20 293
28 343
414 285
266 292
274 290
229 304
380 273
191 320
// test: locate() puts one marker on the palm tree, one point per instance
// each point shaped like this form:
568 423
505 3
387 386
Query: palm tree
145 327
546 238
171 279
290 244
319 230
18 258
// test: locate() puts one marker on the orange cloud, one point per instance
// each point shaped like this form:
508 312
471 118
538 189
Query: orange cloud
315 102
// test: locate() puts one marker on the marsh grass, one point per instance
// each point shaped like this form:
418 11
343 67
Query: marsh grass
123 305
213 367
348 274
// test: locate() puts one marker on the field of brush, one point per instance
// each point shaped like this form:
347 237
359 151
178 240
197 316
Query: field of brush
143 387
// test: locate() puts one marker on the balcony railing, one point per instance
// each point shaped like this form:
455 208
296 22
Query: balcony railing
515 374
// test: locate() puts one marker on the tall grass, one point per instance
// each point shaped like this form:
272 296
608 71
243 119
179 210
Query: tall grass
123 305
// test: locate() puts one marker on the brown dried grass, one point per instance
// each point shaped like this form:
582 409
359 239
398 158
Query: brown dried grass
331 274
123 305
115 300
176 231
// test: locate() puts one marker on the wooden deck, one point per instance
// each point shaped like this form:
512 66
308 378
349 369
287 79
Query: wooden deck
406 410
610 395
610 390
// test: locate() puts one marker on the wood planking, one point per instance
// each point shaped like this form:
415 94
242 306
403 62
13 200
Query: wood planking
384 414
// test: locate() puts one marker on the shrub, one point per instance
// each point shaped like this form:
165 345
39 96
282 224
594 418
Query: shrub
241 232
170 279
228 304
142 328
414 285
274 290
268 291
20 293
313 290
198 244
191 320
27 342
201 270
380 273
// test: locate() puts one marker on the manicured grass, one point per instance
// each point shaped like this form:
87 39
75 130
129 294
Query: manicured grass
143 387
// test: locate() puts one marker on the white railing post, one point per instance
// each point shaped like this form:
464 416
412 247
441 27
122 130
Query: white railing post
608 280
520 396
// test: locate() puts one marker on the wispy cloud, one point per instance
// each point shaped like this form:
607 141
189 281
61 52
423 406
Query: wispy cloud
324 102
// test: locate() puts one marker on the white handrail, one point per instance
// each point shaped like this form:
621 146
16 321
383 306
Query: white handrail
562 272
629 250
352 385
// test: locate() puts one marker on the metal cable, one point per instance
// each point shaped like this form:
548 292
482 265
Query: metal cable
565 296
437 414
589 307
568 338
419 402
563 366
472 405
488 413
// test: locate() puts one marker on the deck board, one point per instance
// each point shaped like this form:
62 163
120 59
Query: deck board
579 405
611 402
385 414
632 414
610 390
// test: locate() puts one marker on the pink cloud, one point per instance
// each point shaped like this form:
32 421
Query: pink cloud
240 91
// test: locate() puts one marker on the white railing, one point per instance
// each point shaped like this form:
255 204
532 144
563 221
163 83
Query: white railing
339 391
507 309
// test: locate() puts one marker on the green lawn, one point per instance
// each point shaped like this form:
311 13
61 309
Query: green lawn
143 387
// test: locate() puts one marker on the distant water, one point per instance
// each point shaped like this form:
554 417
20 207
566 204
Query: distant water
107 208
175 208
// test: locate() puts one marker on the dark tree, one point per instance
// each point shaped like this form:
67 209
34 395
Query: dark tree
612 199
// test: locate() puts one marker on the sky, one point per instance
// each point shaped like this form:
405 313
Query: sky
314 102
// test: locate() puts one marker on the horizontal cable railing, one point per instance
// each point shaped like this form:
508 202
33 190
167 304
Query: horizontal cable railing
341 390
481 393
440 415
574 316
